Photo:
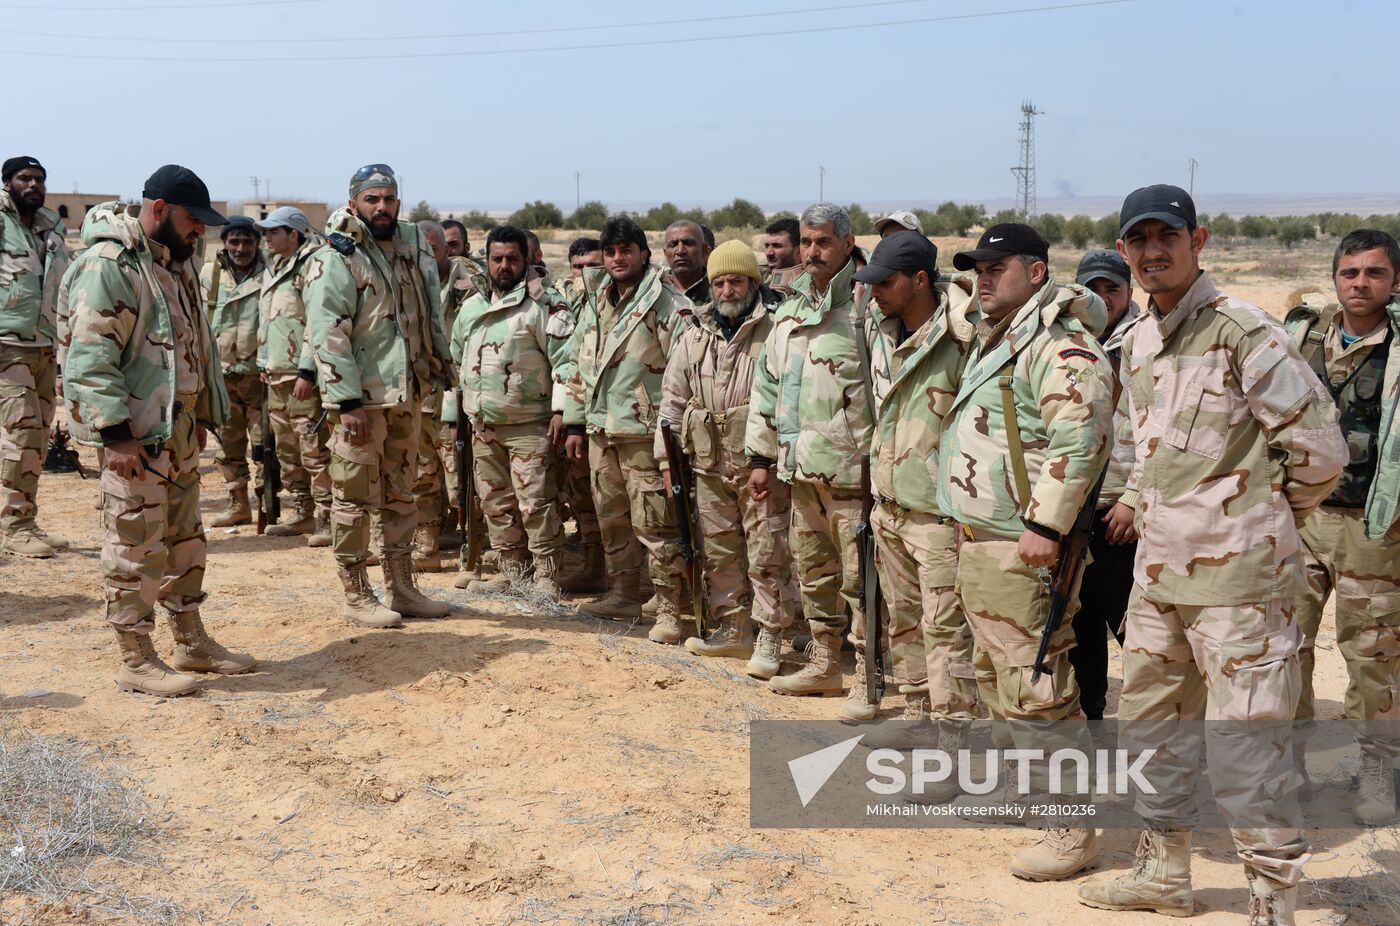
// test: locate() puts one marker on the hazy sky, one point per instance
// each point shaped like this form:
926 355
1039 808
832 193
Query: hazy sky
1270 97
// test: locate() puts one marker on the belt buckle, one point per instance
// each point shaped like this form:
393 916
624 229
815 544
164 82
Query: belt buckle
967 532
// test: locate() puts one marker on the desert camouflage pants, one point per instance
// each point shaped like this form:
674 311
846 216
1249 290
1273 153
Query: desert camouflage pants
27 376
823 541
376 476
1007 603
154 549
630 499
930 640
1365 574
304 456
576 493
428 486
242 426
515 480
748 571
1236 667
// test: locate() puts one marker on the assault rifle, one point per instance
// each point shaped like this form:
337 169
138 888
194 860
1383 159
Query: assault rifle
269 492
1074 547
871 601
469 517
687 525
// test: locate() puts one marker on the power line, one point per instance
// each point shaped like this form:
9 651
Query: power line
109 8
472 53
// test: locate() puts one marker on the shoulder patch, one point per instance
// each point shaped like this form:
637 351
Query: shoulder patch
1072 352
1248 317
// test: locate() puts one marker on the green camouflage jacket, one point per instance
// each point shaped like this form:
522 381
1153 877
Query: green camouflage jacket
32 264
374 317
233 312
611 380
119 338
283 348
506 348
1237 442
915 384
465 278
1063 389
1383 499
809 413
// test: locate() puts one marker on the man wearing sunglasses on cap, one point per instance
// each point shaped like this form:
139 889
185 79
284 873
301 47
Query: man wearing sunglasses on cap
375 322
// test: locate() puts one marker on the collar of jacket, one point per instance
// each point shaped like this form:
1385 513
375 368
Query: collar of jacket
840 291
1201 294
279 268
596 280
254 271
532 286
1113 340
45 219
951 319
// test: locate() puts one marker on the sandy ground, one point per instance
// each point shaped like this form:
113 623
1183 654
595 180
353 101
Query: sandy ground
498 767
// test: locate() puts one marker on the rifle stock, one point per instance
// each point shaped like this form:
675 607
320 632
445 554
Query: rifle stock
687 525
469 519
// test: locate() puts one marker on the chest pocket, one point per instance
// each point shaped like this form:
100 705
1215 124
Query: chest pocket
1202 407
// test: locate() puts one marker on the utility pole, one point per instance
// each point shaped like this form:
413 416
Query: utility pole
578 200
257 186
1191 166
1025 171
821 184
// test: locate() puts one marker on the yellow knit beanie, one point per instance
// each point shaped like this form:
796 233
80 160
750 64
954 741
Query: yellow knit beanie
733 257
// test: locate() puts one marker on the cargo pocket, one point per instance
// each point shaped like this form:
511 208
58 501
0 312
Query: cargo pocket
1381 640
354 479
1260 677
698 427
11 466
646 409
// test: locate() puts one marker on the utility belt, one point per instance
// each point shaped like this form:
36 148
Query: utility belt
896 508
155 447
978 535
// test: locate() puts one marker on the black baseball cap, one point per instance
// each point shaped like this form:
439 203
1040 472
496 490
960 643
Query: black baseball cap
240 223
1102 265
14 165
1170 204
1004 240
904 250
182 187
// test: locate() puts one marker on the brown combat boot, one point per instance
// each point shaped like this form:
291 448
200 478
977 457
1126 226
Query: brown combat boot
425 548
238 510
733 637
402 593
58 543
299 519
361 606
1160 879
667 628
1375 802
546 582
952 739
142 670
623 602
588 576
25 541
1063 851
320 535
1270 902
765 661
512 565
912 729
196 651
820 676
857 707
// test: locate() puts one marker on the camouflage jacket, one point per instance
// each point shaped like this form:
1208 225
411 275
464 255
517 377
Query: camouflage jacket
233 312
705 392
915 383
810 413
1063 387
120 338
1383 499
374 317
506 347
32 264
612 377
465 278
1120 462
1236 443
780 281
572 290
283 348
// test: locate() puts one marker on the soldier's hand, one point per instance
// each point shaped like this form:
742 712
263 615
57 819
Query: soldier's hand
262 377
201 437
1120 524
666 478
355 426
575 445
1036 550
124 458
758 484
556 432
303 390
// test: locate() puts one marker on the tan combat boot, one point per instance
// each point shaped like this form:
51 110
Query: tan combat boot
667 628
425 548
857 707
361 607
652 606
238 510
1375 804
196 651
733 637
589 576
25 541
1160 879
546 583
952 739
820 676
299 520
913 729
58 543
765 661
143 671
512 565
401 592
320 535
1062 851
1270 903
623 602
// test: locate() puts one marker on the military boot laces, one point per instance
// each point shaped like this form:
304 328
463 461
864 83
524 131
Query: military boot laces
820 676
732 638
361 606
1375 802
426 557
402 593
512 565
765 661
299 519
1160 879
622 602
25 541
143 671
911 729
237 512
196 651
1061 852
1270 903
952 739
667 628
58 543
857 707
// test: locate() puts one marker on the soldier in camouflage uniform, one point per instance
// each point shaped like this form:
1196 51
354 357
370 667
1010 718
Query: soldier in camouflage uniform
810 419
1035 377
33 258
921 335
288 369
1351 543
782 258
687 252
705 396
142 380
232 284
376 330
506 342
612 390
1236 443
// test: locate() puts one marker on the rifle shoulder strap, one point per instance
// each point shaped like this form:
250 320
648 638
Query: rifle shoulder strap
1006 379
212 301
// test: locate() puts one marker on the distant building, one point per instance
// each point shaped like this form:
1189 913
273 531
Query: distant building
71 207
316 212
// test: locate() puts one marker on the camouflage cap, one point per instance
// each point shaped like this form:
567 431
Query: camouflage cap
373 176
903 218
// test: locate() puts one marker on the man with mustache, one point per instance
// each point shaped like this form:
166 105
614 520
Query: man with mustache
33 258
376 330
705 397
142 381
686 252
